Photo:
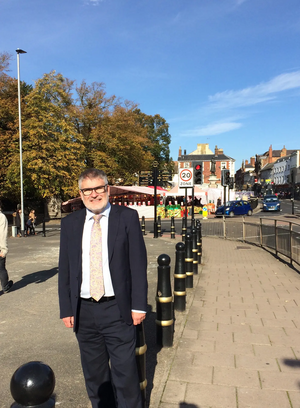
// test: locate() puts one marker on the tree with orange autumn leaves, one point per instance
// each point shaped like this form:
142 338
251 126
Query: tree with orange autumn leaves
66 129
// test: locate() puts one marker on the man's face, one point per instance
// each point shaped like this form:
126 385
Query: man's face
94 202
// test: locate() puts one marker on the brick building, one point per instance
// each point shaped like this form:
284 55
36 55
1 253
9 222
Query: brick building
205 155
245 176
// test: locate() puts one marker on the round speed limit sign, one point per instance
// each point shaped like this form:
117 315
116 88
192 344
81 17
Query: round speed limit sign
186 178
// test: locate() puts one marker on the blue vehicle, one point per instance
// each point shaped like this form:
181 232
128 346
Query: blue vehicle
271 203
237 207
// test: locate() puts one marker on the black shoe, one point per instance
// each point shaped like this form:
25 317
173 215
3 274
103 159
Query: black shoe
8 287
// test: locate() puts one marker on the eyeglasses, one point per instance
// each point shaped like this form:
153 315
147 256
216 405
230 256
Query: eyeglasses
98 190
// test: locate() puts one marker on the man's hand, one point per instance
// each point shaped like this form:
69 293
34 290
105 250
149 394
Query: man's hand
138 317
68 321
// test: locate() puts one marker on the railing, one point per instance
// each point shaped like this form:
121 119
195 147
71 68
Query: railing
280 236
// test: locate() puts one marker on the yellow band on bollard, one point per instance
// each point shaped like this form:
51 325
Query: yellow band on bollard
164 323
143 384
189 259
195 262
164 299
179 276
139 351
194 250
189 273
179 293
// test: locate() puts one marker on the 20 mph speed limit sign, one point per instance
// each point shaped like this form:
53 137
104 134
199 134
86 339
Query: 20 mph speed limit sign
186 178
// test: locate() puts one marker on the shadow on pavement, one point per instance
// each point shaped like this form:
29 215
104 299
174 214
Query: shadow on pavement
152 350
291 362
35 277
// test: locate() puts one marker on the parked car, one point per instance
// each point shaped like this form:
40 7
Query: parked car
238 207
271 203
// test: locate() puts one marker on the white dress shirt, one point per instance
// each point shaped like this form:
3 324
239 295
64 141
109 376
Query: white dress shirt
86 238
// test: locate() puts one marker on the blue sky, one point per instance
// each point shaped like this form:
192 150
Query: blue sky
223 72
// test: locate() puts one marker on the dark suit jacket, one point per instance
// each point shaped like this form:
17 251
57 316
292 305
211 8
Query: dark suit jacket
127 262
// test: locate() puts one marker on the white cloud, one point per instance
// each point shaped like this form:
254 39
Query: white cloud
93 2
212 129
263 92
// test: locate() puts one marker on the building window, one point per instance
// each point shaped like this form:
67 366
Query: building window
186 165
223 165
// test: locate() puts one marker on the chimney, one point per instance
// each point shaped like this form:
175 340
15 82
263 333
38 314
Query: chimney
270 158
179 152
216 150
252 161
283 152
246 162
184 152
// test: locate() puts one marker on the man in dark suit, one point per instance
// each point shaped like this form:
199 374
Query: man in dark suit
104 327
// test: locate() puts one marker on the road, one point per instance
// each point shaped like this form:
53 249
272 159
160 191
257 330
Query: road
286 209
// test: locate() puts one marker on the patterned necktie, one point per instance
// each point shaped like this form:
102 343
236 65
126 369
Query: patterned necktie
96 272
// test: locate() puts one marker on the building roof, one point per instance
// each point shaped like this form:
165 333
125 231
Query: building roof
283 158
268 166
204 157
277 153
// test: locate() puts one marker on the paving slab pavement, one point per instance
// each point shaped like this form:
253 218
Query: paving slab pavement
236 345
239 346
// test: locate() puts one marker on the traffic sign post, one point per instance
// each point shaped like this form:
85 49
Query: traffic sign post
186 180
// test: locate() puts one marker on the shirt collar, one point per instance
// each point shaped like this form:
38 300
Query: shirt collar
105 212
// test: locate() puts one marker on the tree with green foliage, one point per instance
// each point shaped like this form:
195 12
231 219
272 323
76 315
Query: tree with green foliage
120 145
90 108
159 138
52 148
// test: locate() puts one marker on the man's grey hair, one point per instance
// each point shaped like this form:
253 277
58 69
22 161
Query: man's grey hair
92 174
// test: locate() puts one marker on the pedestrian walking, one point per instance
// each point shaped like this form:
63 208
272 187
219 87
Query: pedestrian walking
18 222
30 223
103 291
5 282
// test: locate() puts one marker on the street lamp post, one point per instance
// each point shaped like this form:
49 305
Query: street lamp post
19 51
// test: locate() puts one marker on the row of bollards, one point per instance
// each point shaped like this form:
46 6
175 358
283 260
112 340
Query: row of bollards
158 230
188 257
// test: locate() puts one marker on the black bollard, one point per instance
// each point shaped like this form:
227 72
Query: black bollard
140 355
32 385
143 225
180 278
155 230
172 228
189 261
293 206
164 310
183 232
199 242
159 226
195 251
44 227
193 223
198 222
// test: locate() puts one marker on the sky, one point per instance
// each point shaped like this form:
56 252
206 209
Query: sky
222 72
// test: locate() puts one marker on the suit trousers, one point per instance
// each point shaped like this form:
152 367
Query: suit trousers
104 337
3 272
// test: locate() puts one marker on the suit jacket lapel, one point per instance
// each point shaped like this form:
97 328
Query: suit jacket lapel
113 225
77 237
